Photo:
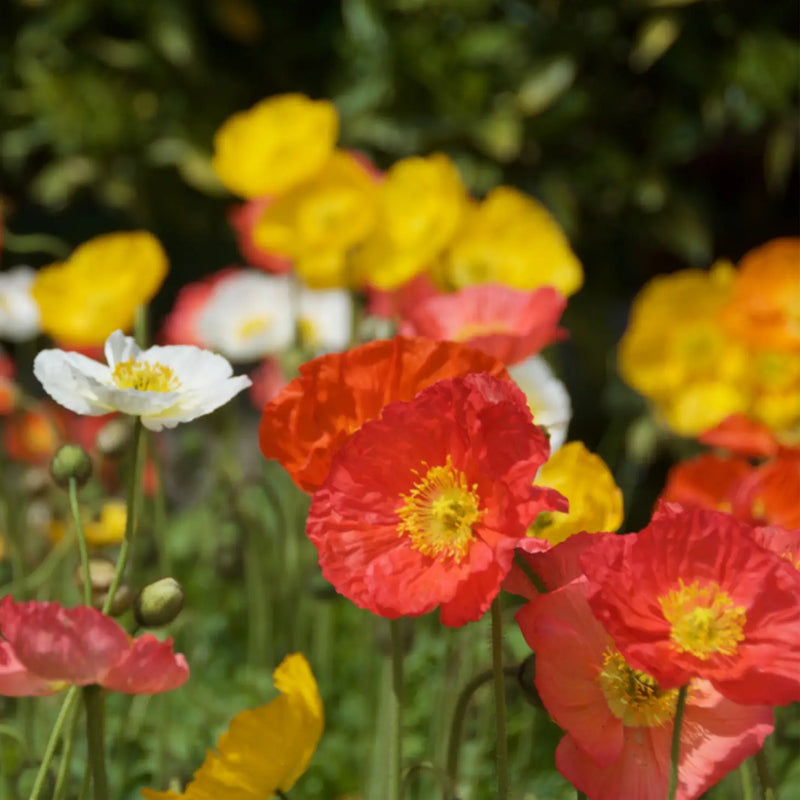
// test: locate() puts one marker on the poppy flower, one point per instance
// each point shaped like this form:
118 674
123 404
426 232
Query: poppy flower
46 648
763 308
243 219
770 492
393 303
336 394
19 312
743 435
618 719
274 145
265 749
707 481
163 385
424 507
548 398
99 287
508 324
693 596
595 500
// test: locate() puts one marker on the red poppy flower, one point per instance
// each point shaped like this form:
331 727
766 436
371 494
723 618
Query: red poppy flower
243 219
619 720
508 324
46 647
771 492
693 595
707 481
742 435
392 303
337 393
785 543
425 506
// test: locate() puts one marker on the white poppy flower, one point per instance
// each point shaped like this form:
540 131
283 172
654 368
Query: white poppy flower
325 318
162 385
547 397
249 315
19 312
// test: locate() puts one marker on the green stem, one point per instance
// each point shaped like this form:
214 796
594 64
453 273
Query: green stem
95 737
768 791
52 742
460 716
747 780
499 700
675 752
396 715
84 552
134 497
62 779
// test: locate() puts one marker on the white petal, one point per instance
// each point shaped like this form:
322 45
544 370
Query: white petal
329 315
191 365
197 403
71 379
119 348
547 398
19 312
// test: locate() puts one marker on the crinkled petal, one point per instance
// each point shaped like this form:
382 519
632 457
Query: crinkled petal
148 667
18 681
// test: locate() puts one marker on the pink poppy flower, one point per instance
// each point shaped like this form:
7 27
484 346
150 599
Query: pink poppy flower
46 648
619 720
506 323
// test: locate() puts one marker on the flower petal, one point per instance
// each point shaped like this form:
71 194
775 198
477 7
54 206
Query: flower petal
148 667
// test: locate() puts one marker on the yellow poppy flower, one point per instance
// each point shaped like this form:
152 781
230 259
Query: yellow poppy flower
98 288
265 749
420 205
105 529
275 145
512 239
595 500
317 222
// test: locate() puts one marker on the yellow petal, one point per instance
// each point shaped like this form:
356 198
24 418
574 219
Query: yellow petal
266 748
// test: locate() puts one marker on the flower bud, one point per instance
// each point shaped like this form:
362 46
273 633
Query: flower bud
158 603
35 481
123 598
101 575
71 461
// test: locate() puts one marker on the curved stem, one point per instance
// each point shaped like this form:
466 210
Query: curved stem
675 753
84 552
499 700
95 737
396 761
460 715
134 496
52 742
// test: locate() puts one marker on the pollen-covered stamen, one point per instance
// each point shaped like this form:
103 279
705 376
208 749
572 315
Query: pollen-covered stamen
439 512
144 376
634 696
704 619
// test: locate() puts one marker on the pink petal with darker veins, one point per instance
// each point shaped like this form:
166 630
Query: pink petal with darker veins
16 680
75 645
149 667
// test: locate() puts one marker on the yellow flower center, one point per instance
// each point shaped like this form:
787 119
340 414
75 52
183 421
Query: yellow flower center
704 620
144 376
439 512
634 696
308 332
253 326
473 330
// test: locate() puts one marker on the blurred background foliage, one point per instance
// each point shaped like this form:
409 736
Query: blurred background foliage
662 133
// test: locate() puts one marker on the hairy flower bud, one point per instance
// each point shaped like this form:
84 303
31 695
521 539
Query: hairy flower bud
158 603
71 461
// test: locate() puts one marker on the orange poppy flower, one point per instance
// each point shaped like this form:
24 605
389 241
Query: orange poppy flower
770 493
336 394
707 481
424 507
764 309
